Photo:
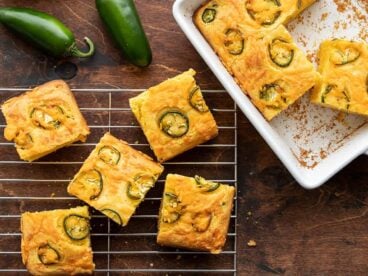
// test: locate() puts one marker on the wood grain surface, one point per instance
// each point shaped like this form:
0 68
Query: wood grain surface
298 232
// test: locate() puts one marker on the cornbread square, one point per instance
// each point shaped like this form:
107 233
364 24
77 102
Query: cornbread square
115 178
274 72
194 213
344 69
43 120
57 242
269 14
253 15
174 116
219 21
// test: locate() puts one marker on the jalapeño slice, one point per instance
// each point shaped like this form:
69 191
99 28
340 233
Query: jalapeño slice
174 123
201 221
109 155
346 56
264 12
76 227
90 181
196 100
234 41
172 210
270 92
140 186
327 91
300 4
48 255
280 52
208 15
205 185
112 215
340 96
47 117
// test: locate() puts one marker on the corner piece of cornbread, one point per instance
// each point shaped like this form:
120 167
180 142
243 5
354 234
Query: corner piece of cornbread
269 14
44 120
195 213
174 116
115 178
253 15
57 242
344 69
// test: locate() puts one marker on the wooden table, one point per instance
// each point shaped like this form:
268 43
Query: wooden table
297 231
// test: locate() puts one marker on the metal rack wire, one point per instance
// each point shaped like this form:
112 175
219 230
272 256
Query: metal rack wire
117 250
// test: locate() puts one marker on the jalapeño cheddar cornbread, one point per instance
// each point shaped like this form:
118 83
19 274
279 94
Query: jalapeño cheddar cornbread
253 15
115 178
268 14
265 62
274 72
344 69
57 242
174 116
44 120
194 213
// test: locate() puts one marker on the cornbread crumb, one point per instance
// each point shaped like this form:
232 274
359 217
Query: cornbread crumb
252 243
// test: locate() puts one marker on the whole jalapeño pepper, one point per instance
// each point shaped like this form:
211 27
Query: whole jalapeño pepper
122 22
44 31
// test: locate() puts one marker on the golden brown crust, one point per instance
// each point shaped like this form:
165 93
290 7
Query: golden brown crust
46 228
204 215
172 94
343 86
252 68
115 178
44 120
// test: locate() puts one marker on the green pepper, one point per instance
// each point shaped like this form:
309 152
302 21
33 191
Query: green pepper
208 15
201 221
280 52
122 21
91 182
172 209
327 90
47 117
270 91
141 185
112 215
48 255
266 16
76 227
234 41
205 185
196 100
346 56
109 155
174 123
300 4
44 31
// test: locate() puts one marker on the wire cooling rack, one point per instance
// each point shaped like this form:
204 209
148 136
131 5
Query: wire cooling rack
41 185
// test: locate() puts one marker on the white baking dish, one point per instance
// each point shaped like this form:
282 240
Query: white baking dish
313 142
